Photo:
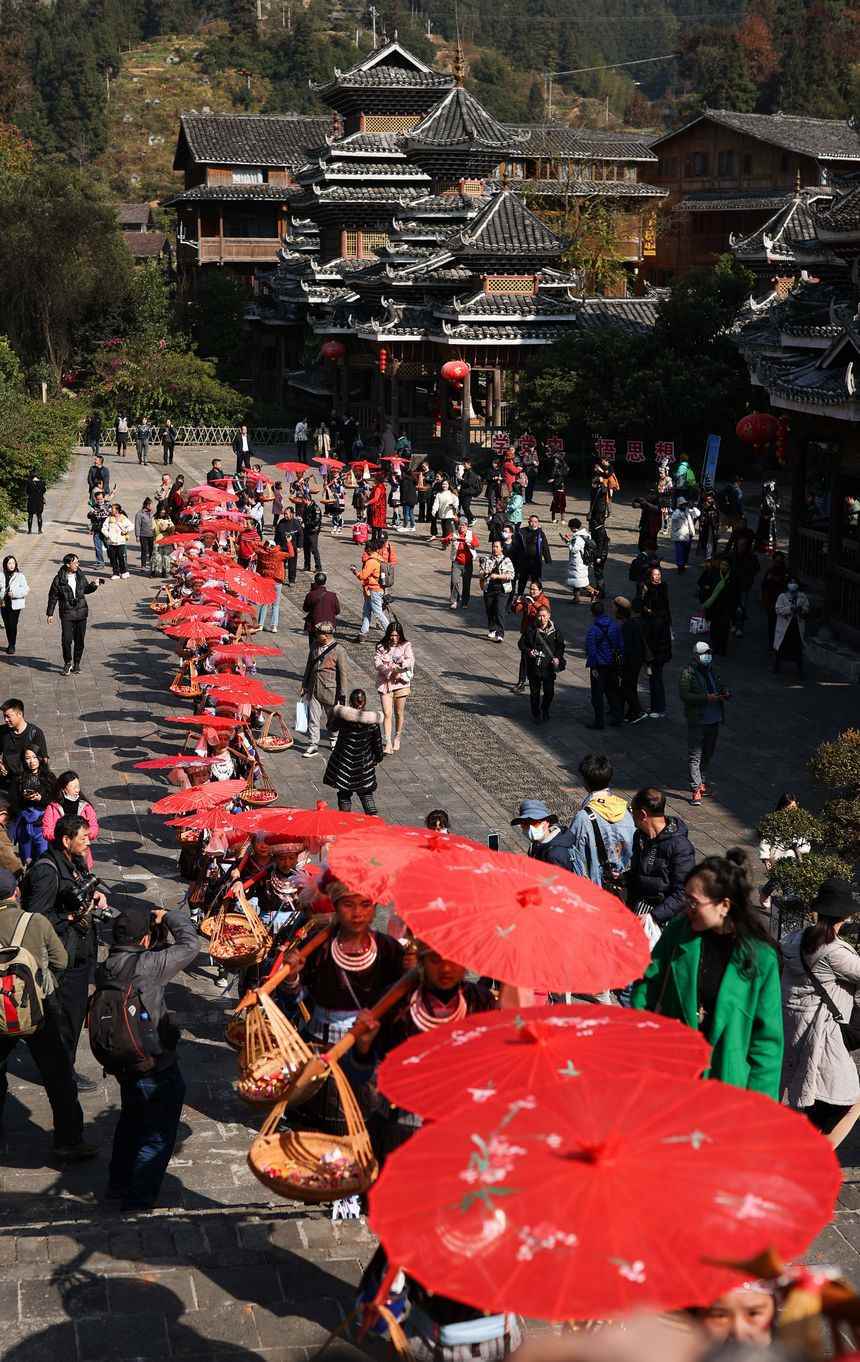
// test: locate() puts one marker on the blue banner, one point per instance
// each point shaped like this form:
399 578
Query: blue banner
712 454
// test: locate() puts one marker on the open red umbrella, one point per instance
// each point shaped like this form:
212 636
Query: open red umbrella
493 1054
321 822
259 589
196 631
220 722
189 610
216 595
180 537
610 1202
294 466
326 462
260 697
204 491
199 797
216 819
221 524
376 864
168 763
245 650
254 475
394 459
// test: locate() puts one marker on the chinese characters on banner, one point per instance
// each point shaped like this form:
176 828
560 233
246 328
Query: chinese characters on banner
603 448
664 450
501 442
635 451
526 443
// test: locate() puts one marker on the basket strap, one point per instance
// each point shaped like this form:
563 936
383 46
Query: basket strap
356 1129
270 1124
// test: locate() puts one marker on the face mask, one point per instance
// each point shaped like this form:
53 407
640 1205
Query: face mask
793 586
705 659
536 832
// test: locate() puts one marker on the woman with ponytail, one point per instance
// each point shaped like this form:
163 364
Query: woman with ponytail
717 968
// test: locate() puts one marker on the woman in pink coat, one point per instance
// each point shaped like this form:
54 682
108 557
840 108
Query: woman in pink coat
69 803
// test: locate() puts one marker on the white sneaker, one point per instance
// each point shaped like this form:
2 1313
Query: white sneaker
310 751
125 574
491 635
655 715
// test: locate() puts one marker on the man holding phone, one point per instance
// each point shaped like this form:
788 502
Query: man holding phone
703 697
69 591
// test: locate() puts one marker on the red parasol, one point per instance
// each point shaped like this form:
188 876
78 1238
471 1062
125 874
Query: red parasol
326 462
196 631
394 458
512 918
199 797
252 475
321 822
612 1202
261 698
189 610
216 721
168 763
245 650
259 589
216 819
183 537
216 595
204 491
494 1054
293 466
221 524
375 865
367 466
226 483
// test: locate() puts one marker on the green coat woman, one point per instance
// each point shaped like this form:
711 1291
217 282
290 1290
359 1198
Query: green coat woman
746 1025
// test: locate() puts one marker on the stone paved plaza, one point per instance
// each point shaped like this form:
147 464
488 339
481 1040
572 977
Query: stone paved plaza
220 1271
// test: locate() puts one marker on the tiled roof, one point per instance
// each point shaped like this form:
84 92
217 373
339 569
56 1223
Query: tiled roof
250 139
582 189
459 118
505 227
842 214
488 306
325 171
130 213
731 200
803 382
581 144
144 245
790 229
502 333
827 139
633 316
348 193
234 193
445 206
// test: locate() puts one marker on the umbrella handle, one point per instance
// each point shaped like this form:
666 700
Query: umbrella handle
291 967
385 1004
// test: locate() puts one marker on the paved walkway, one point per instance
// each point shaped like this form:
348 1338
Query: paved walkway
222 1271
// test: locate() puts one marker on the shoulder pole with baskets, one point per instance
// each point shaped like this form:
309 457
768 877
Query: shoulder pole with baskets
237 937
275 737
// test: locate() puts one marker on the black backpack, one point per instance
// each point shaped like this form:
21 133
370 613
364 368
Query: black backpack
123 1036
589 551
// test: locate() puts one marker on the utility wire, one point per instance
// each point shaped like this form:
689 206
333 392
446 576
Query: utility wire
612 65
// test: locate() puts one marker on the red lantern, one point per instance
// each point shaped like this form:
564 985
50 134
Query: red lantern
383 360
455 370
758 428
333 350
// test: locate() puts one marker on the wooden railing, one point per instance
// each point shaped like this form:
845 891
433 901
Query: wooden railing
844 597
811 553
235 250
222 436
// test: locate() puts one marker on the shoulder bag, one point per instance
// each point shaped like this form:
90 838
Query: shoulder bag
850 1029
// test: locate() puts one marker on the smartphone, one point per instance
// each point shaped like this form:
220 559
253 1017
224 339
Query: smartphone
493 841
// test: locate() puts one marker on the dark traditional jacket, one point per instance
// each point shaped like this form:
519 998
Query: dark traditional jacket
358 751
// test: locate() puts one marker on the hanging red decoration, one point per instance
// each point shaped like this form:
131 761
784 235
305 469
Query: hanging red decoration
757 428
333 350
455 370
383 360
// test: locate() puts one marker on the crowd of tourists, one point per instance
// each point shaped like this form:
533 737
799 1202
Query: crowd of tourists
220 554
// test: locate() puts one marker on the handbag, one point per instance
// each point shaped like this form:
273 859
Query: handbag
302 717
698 623
850 1029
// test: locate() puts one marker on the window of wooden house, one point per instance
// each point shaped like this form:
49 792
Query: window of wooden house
373 241
747 163
350 245
510 285
696 165
248 177
629 172
248 225
210 222
725 164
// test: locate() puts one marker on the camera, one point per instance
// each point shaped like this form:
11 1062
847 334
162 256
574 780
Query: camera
79 897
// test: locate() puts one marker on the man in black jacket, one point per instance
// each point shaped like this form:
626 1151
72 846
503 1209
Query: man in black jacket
311 526
35 488
53 886
630 621
533 553
215 473
289 531
469 487
17 735
145 1135
662 858
69 591
242 449
98 476
547 840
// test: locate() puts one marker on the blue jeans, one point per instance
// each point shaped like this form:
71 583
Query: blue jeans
373 610
146 1134
99 546
275 608
409 516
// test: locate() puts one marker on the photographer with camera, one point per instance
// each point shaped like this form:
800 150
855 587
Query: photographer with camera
60 885
133 1037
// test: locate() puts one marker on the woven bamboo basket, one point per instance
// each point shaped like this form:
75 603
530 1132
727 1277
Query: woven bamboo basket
237 937
306 1165
234 1031
162 600
272 1056
262 791
272 738
185 681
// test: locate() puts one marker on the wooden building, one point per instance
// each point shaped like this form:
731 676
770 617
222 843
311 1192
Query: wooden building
727 174
803 351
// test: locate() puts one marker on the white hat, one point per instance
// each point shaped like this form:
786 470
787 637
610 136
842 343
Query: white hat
701 648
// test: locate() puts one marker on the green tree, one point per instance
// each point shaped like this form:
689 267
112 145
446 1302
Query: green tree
215 319
61 257
161 382
148 309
